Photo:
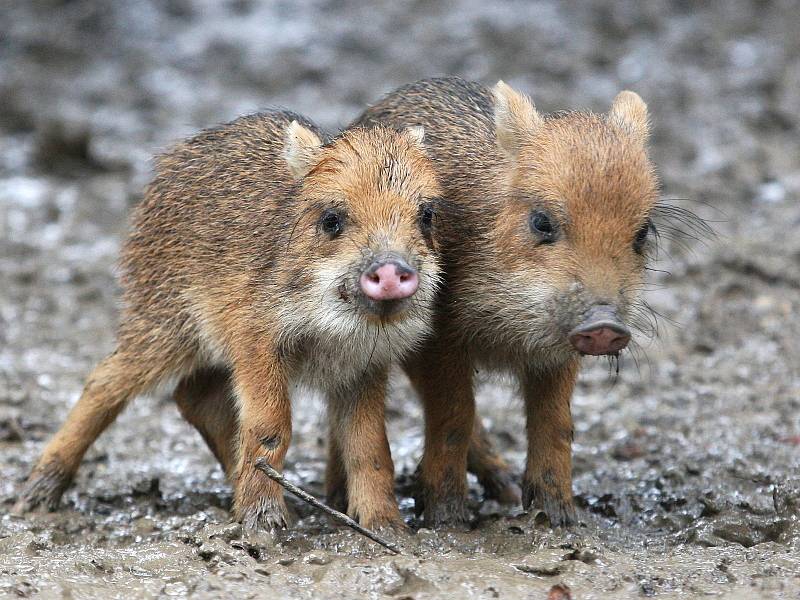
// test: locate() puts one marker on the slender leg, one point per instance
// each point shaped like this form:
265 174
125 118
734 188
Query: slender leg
119 377
359 430
205 399
443 379
492 471
547 483
265 430
335 474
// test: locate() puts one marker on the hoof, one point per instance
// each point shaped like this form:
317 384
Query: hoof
559 511
267 514
442 512
386 523
44 488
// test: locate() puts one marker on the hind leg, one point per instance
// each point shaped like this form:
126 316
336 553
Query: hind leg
492 471
443 380
335 475
206 400
118 378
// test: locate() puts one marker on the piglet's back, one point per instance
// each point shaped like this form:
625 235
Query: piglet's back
218 206
459 128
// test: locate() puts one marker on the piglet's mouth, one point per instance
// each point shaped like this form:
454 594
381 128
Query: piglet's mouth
383 311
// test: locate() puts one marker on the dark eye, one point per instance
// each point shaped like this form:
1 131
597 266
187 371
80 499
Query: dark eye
641 236
331 222
426 217
543 226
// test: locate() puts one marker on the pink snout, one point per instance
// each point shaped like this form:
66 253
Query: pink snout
601 333
389 281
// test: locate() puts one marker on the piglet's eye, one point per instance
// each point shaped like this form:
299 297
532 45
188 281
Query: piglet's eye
543 226
426 214
641 236
331 222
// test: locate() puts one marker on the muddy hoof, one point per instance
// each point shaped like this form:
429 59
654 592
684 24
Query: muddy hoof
267 514
559 511
501 487
448 512
43 488
389 524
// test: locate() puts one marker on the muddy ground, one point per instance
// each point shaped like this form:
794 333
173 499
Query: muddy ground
686 467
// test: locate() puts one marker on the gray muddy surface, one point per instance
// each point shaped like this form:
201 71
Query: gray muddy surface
686 466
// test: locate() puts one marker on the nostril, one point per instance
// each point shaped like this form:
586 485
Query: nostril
599 340
389 281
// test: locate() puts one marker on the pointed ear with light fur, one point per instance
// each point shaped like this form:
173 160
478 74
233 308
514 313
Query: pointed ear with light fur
415 136
515 117
301 149
630 112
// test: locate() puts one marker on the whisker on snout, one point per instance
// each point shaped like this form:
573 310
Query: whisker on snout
679 225
638 353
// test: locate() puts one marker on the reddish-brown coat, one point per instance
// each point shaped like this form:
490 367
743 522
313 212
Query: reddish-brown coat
227 273
510 298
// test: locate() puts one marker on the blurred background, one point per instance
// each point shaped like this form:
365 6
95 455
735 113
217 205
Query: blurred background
696 446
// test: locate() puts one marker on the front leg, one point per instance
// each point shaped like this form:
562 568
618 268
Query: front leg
547 483
265 430
363 470
443 379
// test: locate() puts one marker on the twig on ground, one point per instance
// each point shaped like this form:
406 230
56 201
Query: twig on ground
262 465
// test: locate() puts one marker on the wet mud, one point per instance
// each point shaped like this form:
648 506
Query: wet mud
687 462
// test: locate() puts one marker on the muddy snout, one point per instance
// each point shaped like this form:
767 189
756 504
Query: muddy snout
601 332
389 278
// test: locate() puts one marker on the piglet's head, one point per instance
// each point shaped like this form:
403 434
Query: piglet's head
364 234
576 226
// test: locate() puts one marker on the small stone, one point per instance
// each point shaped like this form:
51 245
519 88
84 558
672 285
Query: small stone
316 559
227 532
39 543
175 588
206 552
627 451
738 532
559 591
541 570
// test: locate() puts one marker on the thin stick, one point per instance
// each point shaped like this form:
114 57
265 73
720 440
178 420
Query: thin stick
262 465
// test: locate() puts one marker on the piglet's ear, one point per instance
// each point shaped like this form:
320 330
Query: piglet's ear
515 118
416 136
630 112
301 149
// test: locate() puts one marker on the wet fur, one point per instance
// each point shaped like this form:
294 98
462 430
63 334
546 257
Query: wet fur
227 277
507 301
